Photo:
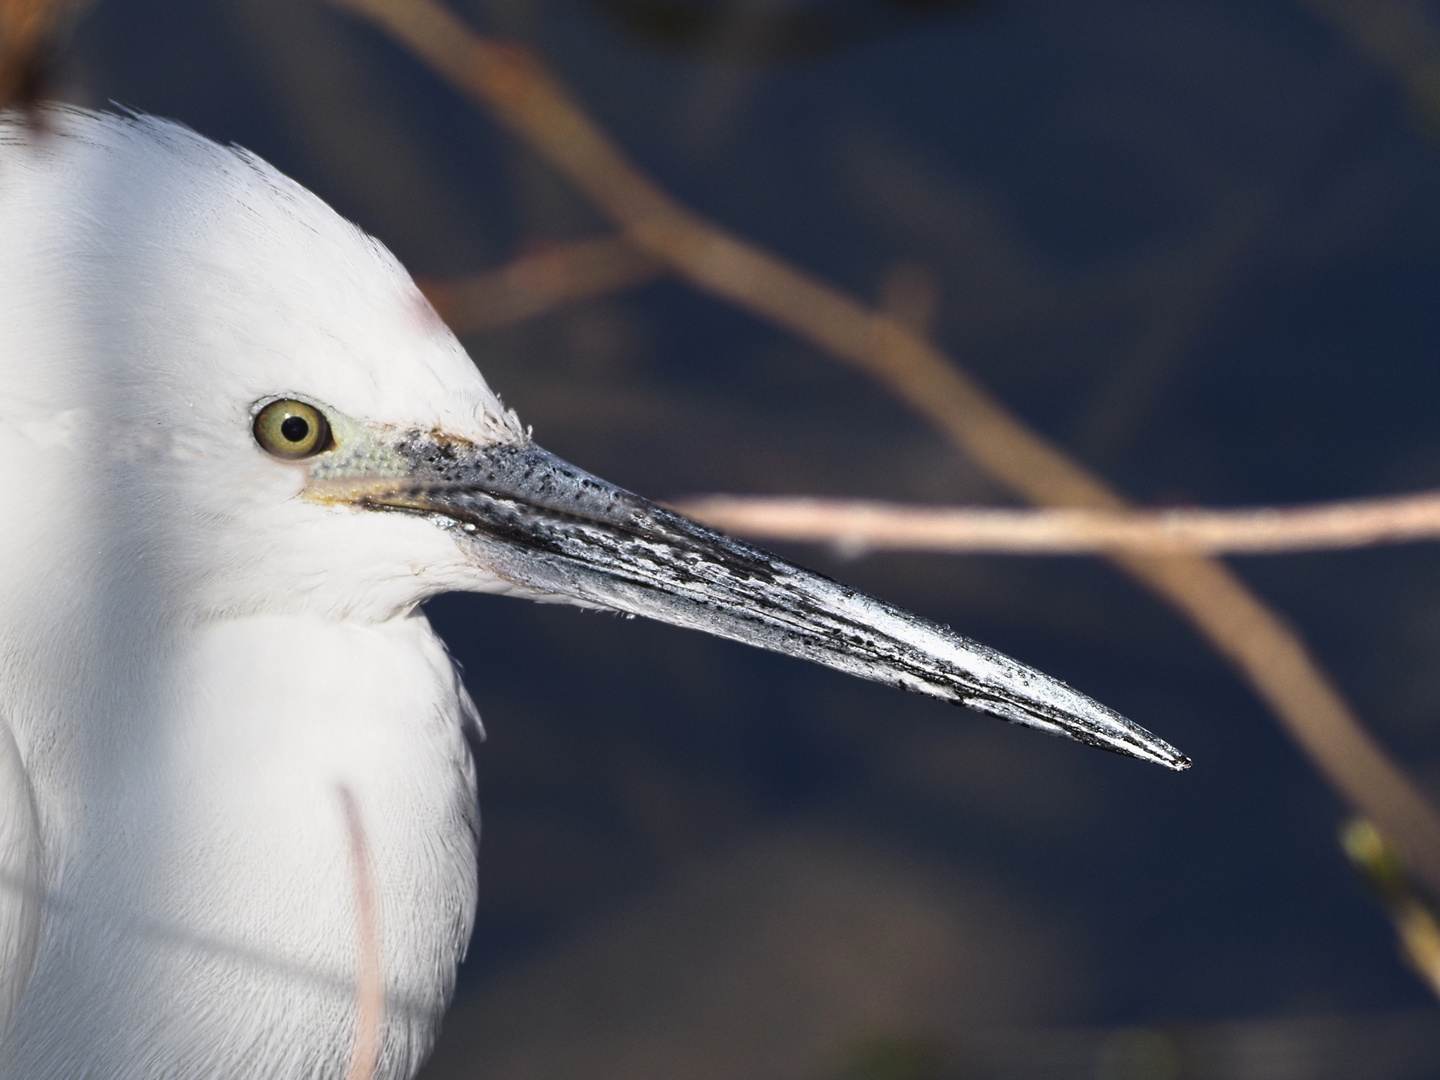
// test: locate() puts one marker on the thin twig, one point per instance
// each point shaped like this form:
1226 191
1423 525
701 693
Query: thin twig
883 526
520 93
370 982
539 282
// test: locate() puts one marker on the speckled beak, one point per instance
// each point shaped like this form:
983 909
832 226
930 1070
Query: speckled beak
555 530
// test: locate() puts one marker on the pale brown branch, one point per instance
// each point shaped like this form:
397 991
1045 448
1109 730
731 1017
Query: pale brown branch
517 90
370 980
1398 36
883 526
539 282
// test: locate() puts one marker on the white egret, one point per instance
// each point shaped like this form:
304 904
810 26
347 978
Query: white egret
238 450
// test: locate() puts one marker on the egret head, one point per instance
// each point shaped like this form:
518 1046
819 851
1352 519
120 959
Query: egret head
294 429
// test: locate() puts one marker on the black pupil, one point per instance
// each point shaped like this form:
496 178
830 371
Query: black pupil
295 428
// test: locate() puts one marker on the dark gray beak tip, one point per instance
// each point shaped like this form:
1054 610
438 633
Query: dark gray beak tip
1178 763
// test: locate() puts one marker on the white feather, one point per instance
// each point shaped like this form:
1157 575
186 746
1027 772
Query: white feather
20 879
192 658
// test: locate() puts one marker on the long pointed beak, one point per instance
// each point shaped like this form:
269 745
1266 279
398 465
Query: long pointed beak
555 530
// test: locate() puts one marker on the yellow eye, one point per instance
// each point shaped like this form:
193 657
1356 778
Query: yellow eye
292 429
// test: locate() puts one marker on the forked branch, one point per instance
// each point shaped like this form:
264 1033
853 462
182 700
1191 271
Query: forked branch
514 86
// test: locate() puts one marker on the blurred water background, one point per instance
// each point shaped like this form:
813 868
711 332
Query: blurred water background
1196 243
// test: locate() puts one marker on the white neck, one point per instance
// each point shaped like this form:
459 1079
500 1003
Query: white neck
199 895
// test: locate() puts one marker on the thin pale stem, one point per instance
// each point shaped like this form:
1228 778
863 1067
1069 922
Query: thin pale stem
370 982
882 526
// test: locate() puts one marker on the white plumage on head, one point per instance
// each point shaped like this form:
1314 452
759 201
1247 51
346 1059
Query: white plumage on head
237 450
192 658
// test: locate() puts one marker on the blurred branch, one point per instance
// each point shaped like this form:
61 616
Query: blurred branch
27 28
540 281
1397 36
894 1056
1071 531
1384 870
349 128
521 94
370 982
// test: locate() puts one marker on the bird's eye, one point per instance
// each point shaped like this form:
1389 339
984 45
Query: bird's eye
292 429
